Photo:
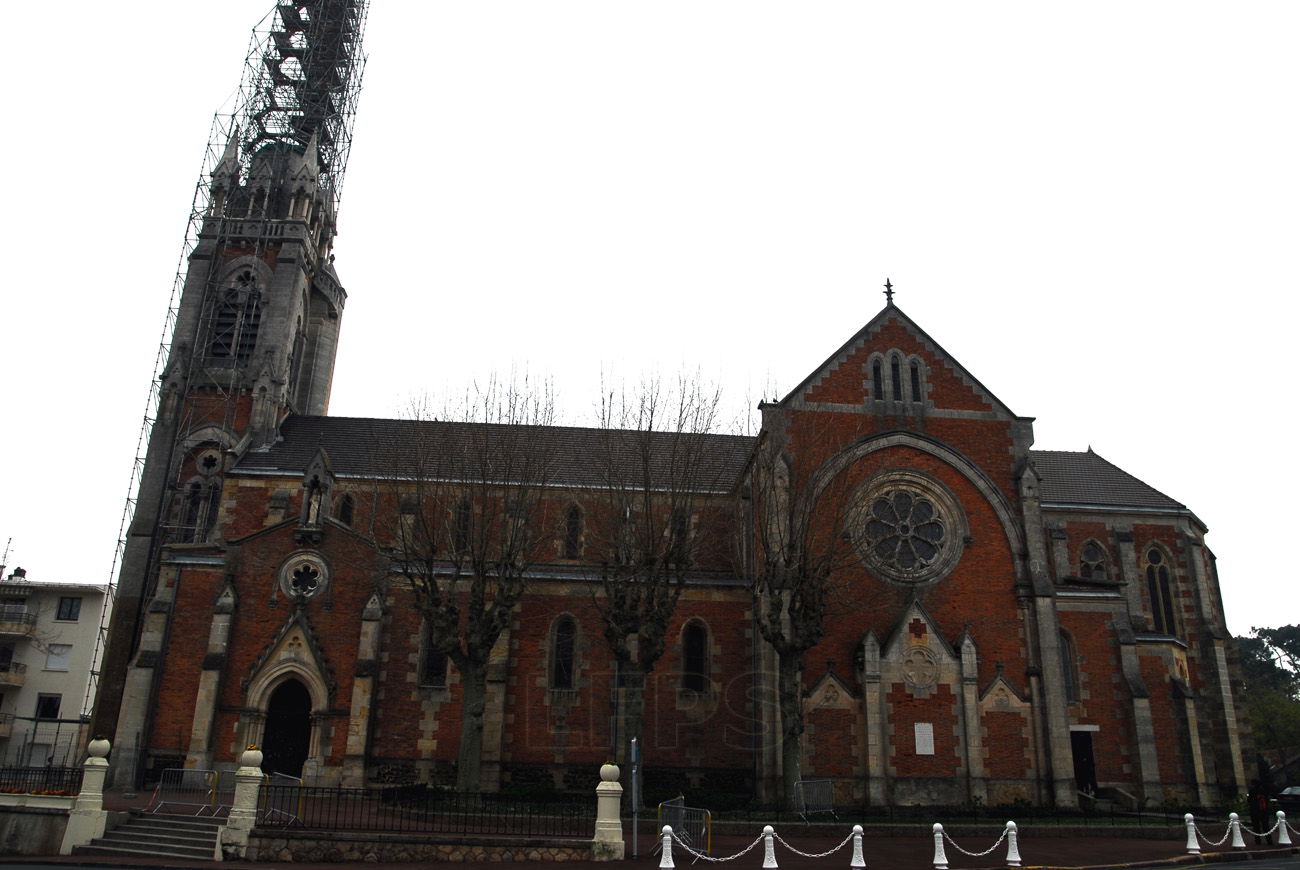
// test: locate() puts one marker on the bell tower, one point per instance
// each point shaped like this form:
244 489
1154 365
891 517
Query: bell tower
253 324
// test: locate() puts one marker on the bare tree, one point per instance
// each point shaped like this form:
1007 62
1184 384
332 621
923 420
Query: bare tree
472 516
798 528
662 472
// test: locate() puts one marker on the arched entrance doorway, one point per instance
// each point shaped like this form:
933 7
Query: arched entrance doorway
288 729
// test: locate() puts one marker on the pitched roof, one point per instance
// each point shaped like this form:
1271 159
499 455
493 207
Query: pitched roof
1072 478
577 456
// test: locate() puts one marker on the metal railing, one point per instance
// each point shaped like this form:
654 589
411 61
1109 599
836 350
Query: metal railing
419 809
41 779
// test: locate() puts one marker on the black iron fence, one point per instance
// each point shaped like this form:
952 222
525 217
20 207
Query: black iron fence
38 780
419 809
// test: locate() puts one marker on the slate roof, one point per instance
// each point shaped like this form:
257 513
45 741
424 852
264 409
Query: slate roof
1086 479
364 447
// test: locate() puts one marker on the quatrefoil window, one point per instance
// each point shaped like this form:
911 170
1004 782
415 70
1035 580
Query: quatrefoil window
303 575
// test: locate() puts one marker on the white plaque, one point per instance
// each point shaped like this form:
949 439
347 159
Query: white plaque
924 738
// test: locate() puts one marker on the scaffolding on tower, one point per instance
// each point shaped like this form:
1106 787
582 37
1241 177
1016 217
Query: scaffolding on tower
301 80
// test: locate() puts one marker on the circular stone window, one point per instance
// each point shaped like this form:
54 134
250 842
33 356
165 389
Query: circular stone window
907 527
303 575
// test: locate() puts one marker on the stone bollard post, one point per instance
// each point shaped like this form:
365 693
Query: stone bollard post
1193 844
1283 835
607 845
857 848
940 858
87 819
243 811
666 853
1013 845
769 848
1234 824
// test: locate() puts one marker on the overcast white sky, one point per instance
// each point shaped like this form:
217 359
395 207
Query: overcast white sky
1093 207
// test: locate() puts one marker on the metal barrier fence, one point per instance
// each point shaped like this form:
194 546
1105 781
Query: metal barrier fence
816 796
694 826
419 809
283 803
194 791
40 779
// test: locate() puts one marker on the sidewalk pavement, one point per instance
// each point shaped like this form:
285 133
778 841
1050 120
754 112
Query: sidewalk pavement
905 852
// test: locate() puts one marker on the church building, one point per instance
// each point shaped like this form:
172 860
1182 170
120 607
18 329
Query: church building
998 623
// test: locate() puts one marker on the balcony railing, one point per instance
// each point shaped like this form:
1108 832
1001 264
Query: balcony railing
13 674
17 620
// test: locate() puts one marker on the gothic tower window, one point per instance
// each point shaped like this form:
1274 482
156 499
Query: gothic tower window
1160 591
572 532
1092 562
1069 668
695 657
563 642
192 511
235 318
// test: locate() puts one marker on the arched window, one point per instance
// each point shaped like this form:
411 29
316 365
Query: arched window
462 526
1069 667
896 377
211 509
563 639
1092 562
572 532
679 535
1160 591
915 371
346 511
695 657
433 663
237 312
877 380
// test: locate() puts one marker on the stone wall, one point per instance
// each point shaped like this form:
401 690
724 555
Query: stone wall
326 846
26 830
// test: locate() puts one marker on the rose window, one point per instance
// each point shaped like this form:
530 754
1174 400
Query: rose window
905 531
907 527
303 575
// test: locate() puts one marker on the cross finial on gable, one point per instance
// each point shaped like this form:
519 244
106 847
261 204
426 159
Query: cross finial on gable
889 292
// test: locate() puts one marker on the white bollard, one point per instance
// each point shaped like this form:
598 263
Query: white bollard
1193 844
666 854
857 848
1234 822
769 848
1013 845
1283 836
940 859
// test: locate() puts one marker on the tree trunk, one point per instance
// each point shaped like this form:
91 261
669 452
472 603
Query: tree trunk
469 761
790 698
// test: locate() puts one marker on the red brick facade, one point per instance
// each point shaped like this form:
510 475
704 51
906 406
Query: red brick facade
966 657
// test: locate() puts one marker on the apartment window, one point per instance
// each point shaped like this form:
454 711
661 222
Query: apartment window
47 706
69 609
57 656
